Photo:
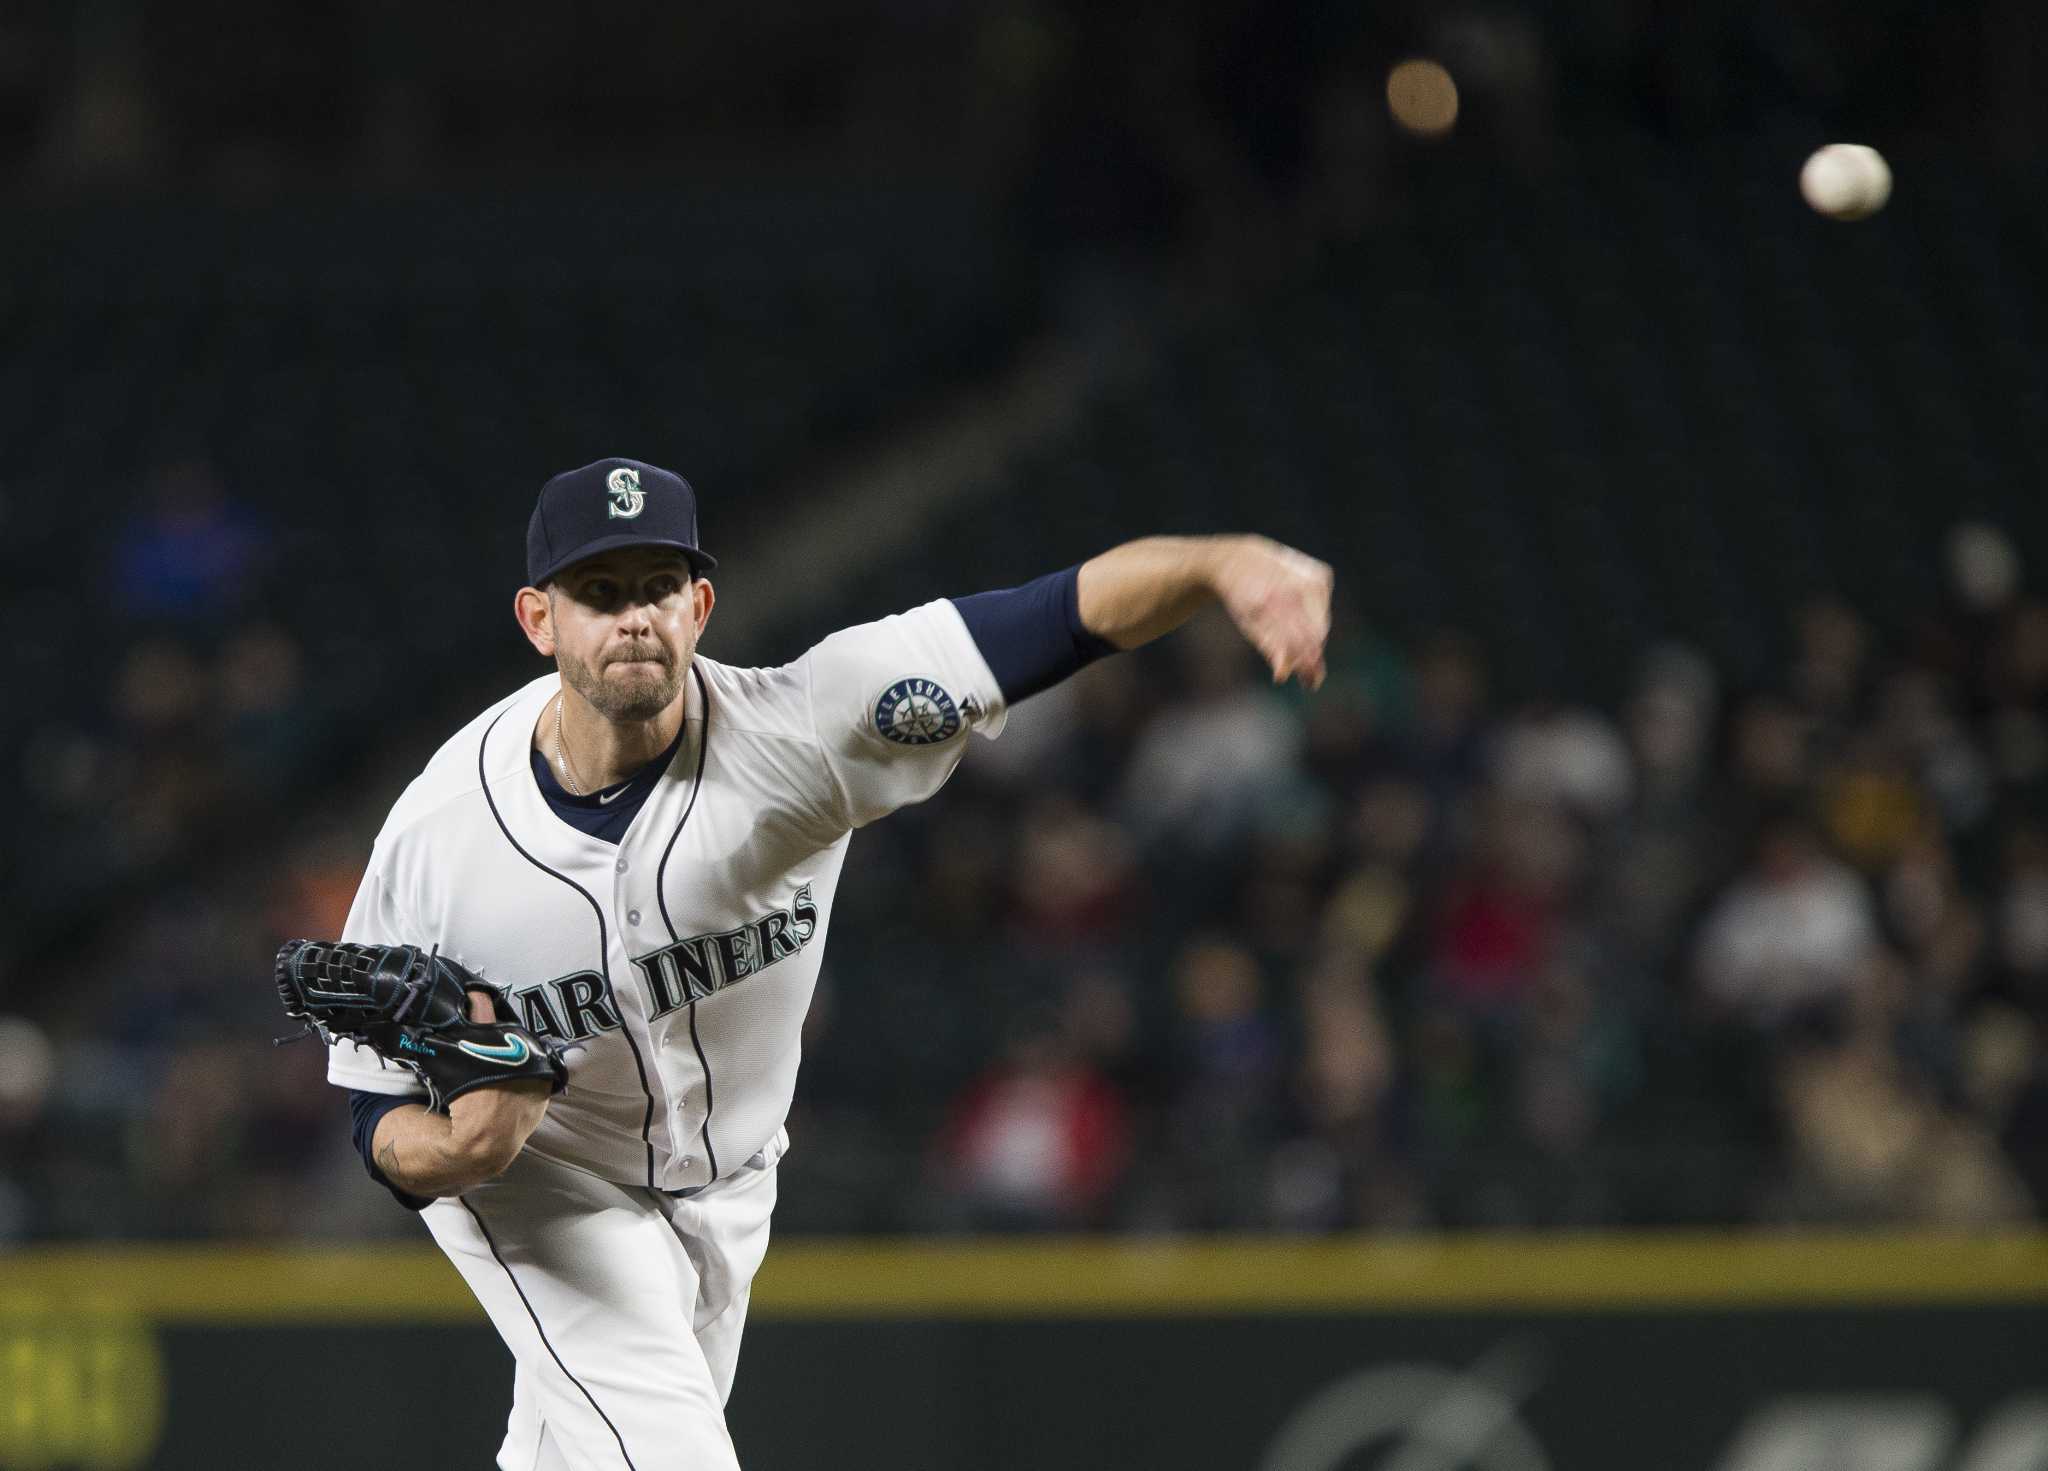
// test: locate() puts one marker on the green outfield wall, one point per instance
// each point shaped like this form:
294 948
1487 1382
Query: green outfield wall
1692 1353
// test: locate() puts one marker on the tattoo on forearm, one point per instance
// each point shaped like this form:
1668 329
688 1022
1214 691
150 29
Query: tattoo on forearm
387 1159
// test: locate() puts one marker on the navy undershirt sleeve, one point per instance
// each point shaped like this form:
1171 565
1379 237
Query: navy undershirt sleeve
366 1109
1032 636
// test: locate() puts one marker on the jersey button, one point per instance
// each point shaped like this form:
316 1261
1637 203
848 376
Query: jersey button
632 916
689 1160
620 866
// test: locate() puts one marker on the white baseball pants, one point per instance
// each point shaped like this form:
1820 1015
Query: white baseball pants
622 1307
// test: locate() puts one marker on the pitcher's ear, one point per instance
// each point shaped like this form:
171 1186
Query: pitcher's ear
535 613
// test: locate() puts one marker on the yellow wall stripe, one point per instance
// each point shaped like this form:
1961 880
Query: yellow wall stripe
1420 1274
1097 1278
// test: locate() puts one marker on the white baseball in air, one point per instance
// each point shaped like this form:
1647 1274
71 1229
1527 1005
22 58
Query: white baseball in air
1846 181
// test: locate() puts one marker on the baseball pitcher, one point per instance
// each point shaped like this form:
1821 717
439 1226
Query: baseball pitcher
568 1000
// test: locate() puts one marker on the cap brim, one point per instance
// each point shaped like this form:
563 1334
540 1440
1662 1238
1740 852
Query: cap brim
700 561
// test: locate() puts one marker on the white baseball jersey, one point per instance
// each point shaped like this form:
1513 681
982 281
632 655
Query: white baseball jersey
681 959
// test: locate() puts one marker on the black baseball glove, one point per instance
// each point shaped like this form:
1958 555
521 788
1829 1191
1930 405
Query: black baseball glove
411 1007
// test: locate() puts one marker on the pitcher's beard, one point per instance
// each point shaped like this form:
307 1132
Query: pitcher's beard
628 701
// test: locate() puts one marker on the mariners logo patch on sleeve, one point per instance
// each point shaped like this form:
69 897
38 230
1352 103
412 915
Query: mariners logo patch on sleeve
916 712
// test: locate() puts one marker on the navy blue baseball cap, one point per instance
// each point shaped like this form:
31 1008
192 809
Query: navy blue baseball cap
607 505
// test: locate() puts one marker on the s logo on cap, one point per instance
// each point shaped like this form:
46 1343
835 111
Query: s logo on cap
627 499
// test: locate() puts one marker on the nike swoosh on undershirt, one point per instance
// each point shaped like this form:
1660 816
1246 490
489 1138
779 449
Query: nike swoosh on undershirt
602 799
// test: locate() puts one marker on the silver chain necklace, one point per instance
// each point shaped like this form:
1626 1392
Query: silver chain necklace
569 777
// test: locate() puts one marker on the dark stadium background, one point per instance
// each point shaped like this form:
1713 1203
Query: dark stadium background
1668 852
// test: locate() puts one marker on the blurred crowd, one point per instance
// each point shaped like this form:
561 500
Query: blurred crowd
1182 951
174 700
175 716
1403 956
